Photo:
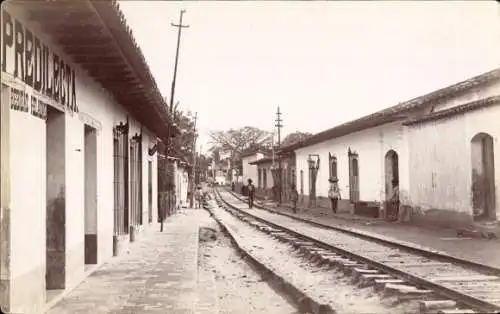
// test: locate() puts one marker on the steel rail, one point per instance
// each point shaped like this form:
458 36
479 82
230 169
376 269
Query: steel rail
460 297
485 269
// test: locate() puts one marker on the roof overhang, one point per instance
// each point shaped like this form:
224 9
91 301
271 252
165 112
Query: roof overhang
94 34
454 111
263 161
397 112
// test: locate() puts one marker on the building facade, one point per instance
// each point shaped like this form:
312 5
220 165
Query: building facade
80 117
264 181
435 147
250 170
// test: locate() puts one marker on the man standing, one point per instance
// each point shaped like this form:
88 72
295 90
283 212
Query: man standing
251 193
334 193
294 197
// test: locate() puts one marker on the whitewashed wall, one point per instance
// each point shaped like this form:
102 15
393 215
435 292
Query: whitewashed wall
441 160
269 176
371 146
28 182
250 171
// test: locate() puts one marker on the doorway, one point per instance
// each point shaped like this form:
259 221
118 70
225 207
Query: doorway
120 178
353 176
135 181
150 191
313 164
5 198
391 172
483 177
56 200
302 182
90 187
392 184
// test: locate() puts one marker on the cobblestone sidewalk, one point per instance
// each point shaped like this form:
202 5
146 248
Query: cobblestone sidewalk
158 275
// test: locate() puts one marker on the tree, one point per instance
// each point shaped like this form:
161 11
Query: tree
182 145
235 142
294 138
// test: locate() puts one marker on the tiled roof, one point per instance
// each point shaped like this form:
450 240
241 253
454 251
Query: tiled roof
263 160
394 113
95 35
474 105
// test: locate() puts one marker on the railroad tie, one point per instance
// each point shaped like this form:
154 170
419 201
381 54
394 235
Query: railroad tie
347 267
456 311
299 243
405 292
380 283
337 261
313 252
412 295
433 305
358 272
366 280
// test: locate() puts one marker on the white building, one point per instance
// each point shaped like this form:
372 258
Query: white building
430 144
182 183
250 170
80 114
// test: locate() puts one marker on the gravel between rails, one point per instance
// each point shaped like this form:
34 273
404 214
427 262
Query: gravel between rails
409 262
321 283
239 289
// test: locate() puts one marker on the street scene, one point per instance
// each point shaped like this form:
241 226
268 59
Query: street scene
250 157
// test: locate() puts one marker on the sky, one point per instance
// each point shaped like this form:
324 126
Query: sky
324 63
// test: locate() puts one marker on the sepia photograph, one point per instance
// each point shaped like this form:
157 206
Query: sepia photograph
250 157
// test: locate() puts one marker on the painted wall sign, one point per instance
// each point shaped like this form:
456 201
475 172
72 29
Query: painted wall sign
89 120
21 100
25 57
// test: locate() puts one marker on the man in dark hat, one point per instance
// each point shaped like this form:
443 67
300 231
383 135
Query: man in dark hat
334 193
251 192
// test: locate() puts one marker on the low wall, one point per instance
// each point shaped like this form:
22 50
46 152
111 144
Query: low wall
441 218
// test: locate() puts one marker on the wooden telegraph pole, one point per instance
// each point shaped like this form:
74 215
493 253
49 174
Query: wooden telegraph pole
193 171
171 109
279 126
179 30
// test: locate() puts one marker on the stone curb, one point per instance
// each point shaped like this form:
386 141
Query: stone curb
394 242
302 300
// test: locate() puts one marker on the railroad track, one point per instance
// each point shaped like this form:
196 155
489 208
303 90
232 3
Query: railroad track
441 284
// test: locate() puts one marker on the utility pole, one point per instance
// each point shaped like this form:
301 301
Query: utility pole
194 160
179 30
279 126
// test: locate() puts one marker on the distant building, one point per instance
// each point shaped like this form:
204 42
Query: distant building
250 170
220 171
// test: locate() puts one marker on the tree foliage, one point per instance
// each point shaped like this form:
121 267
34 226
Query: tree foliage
294 138
182 145
235 142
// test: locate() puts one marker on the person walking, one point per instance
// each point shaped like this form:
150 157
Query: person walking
197 197
294 197
334 193
251 192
